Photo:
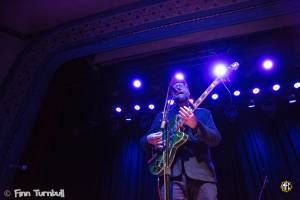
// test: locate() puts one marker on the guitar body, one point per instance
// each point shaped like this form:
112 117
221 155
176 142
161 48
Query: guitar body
156 163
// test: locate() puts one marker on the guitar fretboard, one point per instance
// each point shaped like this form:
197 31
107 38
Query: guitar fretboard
197 103
233 67
210 88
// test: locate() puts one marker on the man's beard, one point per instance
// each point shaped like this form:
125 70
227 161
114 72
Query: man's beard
181 99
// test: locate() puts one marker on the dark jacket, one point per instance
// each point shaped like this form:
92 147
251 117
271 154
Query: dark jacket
194 155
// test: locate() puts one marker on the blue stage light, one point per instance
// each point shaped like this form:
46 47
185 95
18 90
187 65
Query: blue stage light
118 109
268 64
137 83
276 87
215 96
137 107
255 90
237 93
297 85
151 106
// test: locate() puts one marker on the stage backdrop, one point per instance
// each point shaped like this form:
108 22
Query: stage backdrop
254 147
76 145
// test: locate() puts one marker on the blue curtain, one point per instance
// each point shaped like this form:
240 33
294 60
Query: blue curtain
254 147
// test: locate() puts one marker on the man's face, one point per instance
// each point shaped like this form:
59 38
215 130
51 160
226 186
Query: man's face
181 93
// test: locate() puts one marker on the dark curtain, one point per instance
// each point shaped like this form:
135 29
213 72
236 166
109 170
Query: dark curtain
256 145
259 145
130 178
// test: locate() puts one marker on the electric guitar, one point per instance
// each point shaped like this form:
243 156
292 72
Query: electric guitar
177 136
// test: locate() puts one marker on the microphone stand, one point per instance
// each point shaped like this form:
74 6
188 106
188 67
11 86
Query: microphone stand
166 153
263 187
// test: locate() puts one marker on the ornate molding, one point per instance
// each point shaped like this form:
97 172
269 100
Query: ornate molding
99 29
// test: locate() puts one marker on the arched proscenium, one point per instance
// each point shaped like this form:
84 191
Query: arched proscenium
24 88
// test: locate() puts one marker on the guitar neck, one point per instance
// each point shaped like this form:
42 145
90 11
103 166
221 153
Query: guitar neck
233 67
203 96
197 103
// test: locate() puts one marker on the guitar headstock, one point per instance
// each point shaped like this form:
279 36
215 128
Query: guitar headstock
233 67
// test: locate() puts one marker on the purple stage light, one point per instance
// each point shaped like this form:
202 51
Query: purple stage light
215 96
297 85
255 90
137 107
118 109
276 87
237 93
268 64
220 70
151 106
179 76
137 83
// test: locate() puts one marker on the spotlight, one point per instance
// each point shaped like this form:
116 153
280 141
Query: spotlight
297 85
151 106
137 83
215 96
268 64
237 93
118 109
179 76
251 104
191 100
276 87
220 70
292 99
255 91
137 107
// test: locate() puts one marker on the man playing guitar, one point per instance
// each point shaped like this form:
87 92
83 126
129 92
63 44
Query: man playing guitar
192 171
